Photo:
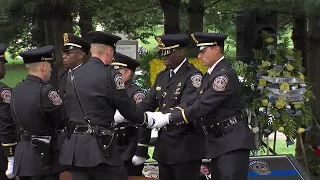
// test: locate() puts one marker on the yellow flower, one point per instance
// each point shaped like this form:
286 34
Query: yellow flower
301 76
265 64
301 130
281 129
265 102
157 65
262 82
290 67
285 86
270 40
297 105
280 104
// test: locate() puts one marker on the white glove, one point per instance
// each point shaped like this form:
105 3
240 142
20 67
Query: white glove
157 119
255 129
118 118
9 171
137 160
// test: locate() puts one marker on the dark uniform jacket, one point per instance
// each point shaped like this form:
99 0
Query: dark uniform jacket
132 140
219 98
180 143
62 82
7 127
100 99
36 106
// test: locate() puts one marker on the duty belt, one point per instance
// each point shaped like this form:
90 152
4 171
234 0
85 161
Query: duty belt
86 129
28 137
233 120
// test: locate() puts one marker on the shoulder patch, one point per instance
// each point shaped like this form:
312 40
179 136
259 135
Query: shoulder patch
119 81
220 83
54 97
139 96
6 95
196 80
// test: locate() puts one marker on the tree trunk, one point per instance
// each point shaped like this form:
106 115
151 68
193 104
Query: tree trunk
85 22
61 22
171 16
313 64
40 34
299 37
195 15
48 32
314 61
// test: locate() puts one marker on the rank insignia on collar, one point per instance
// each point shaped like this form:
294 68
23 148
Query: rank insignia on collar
158 88
179 84
177 91
220 83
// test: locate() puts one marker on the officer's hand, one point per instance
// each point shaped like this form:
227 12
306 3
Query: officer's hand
9 171
159 119
137 160
118 118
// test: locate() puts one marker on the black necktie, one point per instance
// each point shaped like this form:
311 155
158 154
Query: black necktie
205 79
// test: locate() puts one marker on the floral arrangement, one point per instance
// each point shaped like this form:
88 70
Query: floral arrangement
157 65
277 90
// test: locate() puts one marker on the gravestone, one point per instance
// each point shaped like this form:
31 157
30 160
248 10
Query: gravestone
128 48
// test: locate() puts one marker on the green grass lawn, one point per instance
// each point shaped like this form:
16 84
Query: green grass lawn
281 148
15 73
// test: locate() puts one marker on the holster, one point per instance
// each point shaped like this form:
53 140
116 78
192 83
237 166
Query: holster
123 133
43 145
61 136
105 138
69 129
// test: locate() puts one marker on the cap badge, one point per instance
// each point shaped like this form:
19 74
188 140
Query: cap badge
65 38
160 42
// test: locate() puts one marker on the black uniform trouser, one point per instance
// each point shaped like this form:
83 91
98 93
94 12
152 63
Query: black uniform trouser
100 172
3 175
182 171
132 169
44 177
231 166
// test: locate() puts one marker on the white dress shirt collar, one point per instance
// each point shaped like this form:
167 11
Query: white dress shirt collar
215 64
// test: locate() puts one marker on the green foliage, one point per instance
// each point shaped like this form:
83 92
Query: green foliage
144 79
135 18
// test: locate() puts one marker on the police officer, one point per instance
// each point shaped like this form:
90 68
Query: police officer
94 91
75 51
7 126
131 140
179 149
219 105
37 112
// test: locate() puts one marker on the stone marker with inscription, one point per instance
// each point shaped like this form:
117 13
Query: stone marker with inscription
128 48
